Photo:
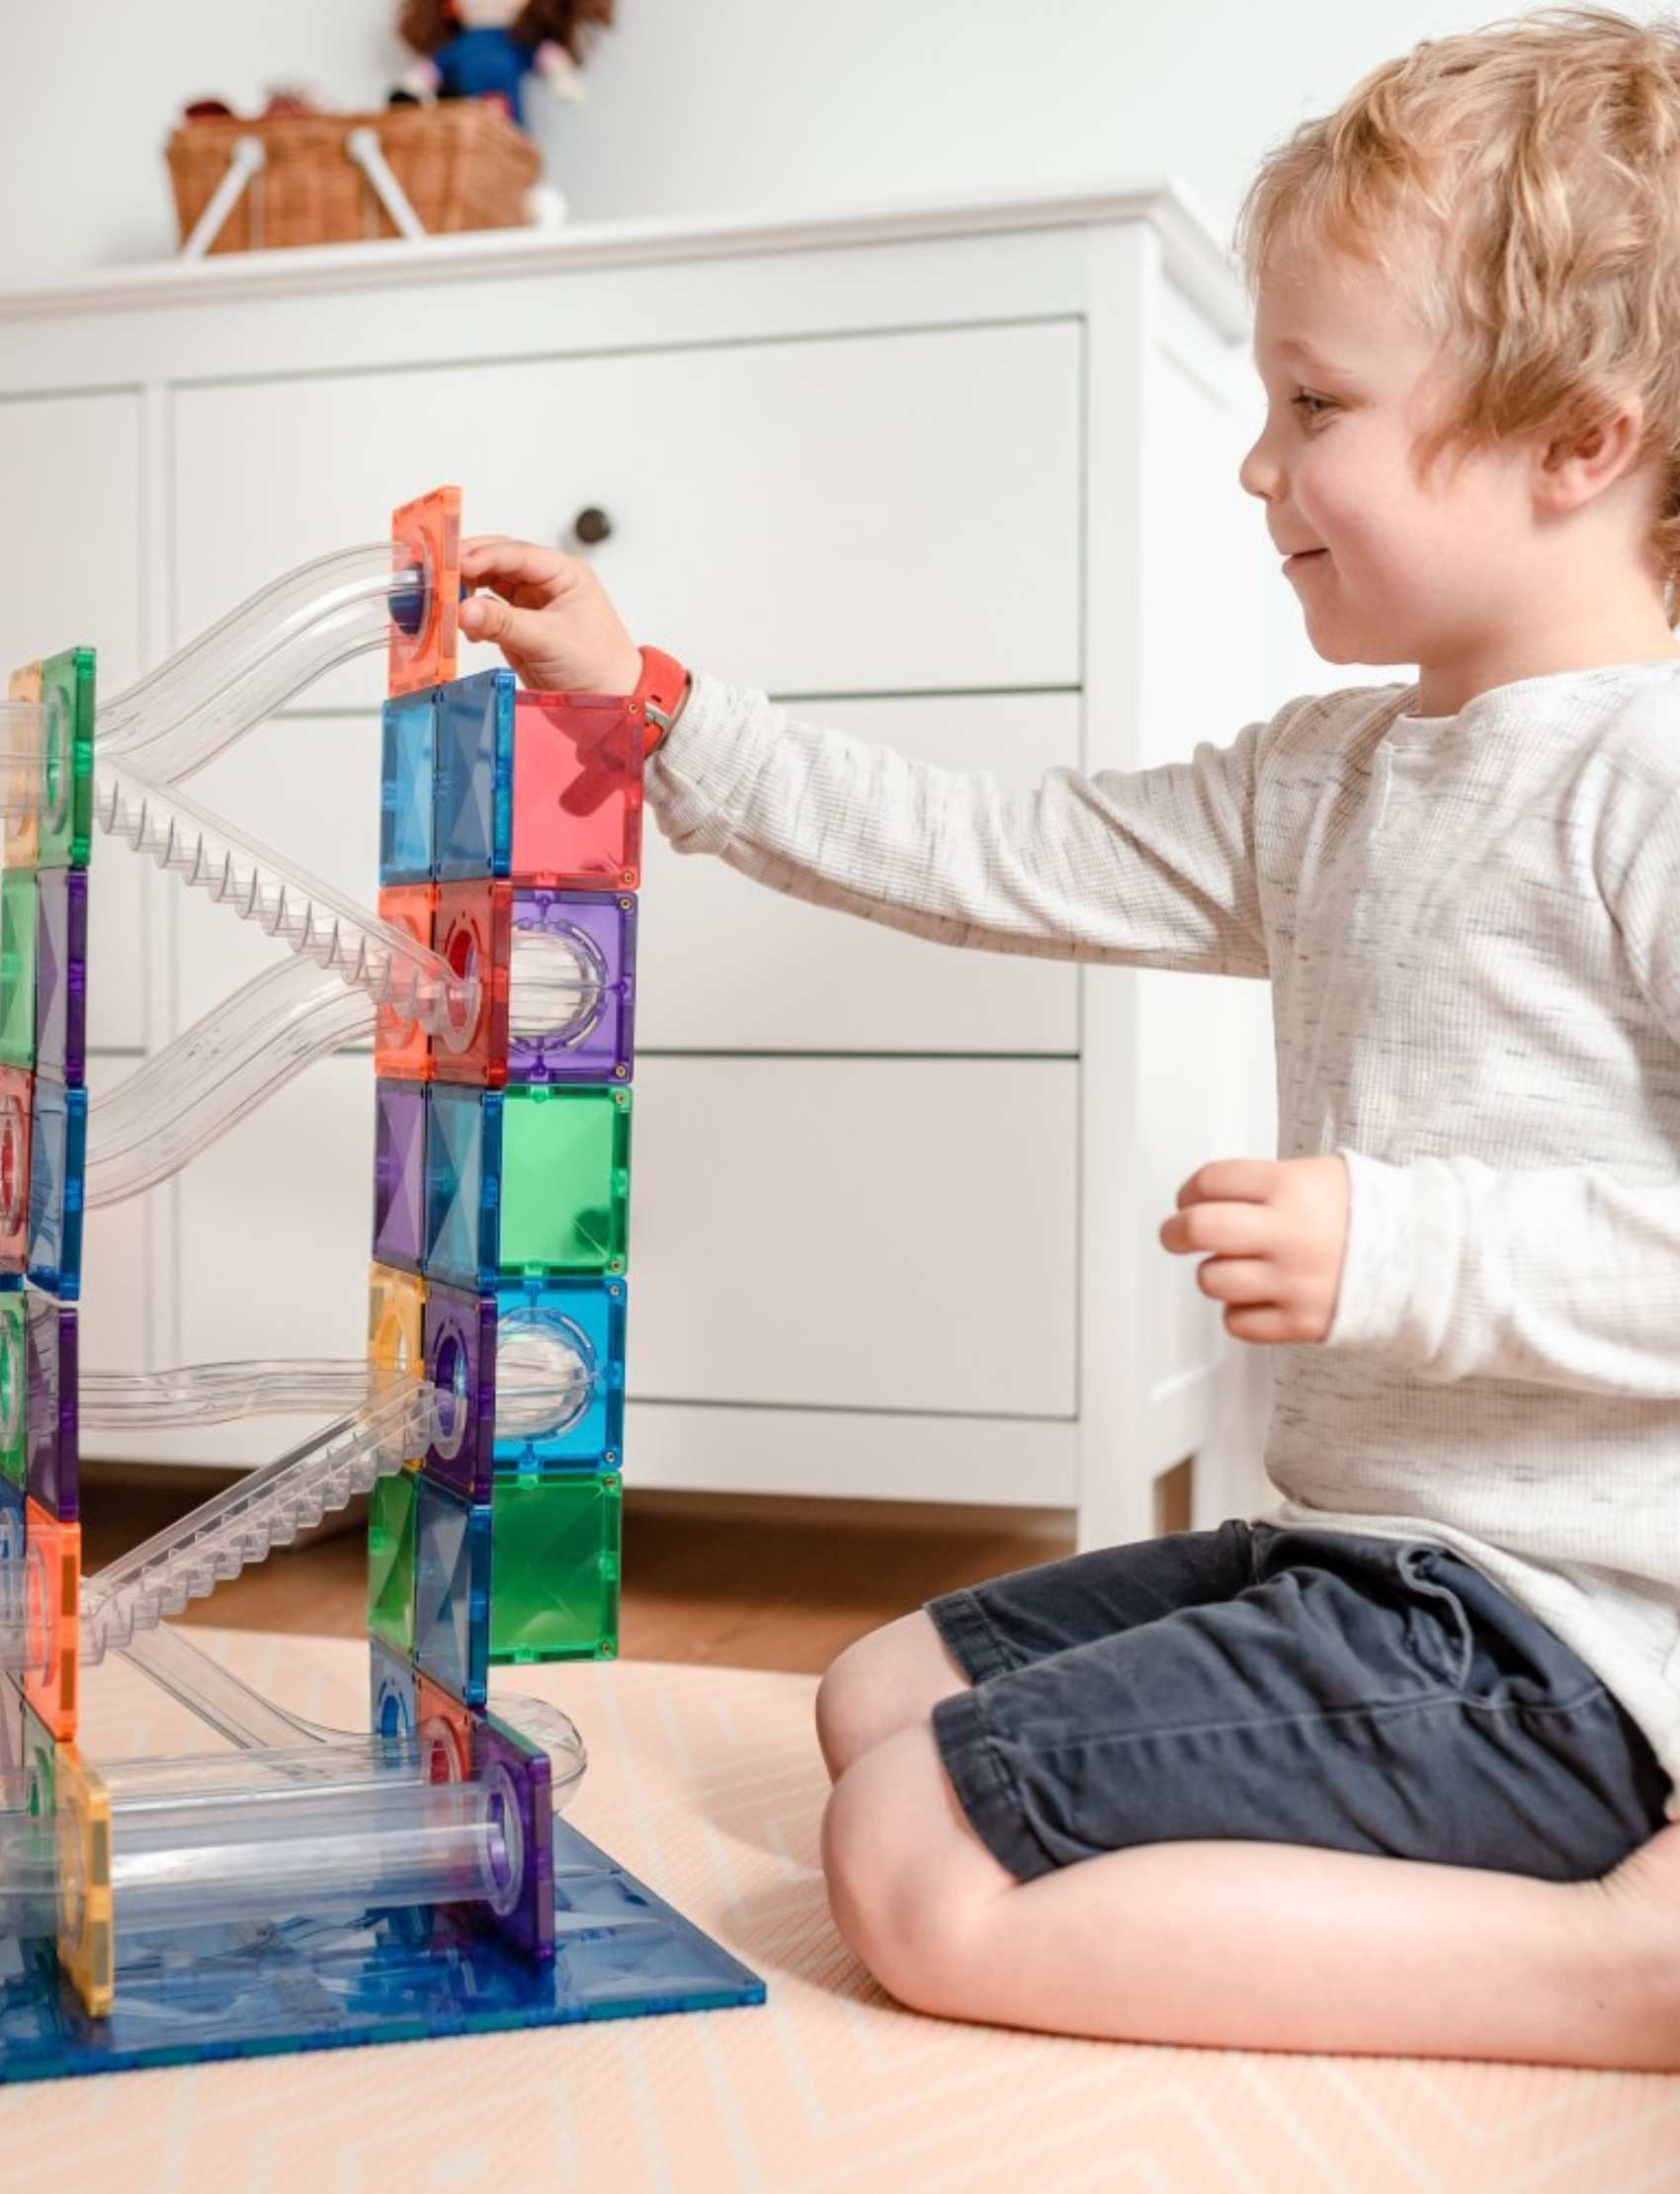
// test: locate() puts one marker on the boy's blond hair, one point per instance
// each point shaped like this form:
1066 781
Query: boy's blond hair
1531 173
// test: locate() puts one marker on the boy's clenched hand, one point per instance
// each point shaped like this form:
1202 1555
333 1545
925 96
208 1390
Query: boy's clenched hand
550 616
1271 1233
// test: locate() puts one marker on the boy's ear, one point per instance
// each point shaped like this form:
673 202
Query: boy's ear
1593 449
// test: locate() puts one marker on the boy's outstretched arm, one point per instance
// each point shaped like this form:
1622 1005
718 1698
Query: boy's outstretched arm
1150 868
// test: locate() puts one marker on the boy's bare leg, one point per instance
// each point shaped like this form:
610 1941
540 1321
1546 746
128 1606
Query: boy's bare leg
1251 1944
893 1677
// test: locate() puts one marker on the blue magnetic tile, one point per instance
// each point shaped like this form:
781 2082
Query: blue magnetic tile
58 1131
407 789
621 1953
463 1185
14 1599
472 821
451 1593
391 1699
586 1318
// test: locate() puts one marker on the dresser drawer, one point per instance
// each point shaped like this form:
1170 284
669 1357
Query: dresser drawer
823 515
854 1234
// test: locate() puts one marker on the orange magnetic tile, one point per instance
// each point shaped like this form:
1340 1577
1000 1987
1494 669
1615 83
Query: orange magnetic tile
52 1551
20 834
429 527
401 1048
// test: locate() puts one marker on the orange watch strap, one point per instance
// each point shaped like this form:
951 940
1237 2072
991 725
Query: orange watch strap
660 694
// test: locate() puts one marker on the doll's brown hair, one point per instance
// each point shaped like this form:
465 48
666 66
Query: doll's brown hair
425 25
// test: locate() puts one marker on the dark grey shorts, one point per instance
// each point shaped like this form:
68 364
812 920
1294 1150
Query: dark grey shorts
1284 1687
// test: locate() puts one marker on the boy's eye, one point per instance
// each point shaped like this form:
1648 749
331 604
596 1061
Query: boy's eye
1312 405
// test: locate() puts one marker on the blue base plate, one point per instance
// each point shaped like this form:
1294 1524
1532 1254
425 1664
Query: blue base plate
395 1976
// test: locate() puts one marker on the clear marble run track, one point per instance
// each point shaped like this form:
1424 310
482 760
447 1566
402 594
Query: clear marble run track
295 1887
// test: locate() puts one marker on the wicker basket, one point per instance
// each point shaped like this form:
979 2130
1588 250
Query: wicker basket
462 163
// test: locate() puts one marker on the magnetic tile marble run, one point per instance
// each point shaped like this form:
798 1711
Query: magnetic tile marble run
510 844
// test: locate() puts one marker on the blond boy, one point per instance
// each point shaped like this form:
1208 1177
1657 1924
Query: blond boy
1387 1769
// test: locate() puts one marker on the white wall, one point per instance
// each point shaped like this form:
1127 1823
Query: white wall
697 106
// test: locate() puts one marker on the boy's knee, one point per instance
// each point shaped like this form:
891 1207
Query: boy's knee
836 1713
883 1683
905 1878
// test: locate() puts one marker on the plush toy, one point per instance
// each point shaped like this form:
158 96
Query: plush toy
485 48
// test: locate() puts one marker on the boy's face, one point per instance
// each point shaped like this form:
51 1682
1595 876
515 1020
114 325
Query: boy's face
1393 562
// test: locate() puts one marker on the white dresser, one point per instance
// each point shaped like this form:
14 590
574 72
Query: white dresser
959 478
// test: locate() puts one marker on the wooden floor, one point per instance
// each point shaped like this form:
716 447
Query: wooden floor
736 1583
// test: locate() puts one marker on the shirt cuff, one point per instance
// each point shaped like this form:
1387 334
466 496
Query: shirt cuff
701 775
1399 1270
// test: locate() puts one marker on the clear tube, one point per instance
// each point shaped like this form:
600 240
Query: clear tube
543 1385
263 1731
269 1509
216 1072
217 1393
220 1857
278 1023
316 920
347 1763
263 653
280 1854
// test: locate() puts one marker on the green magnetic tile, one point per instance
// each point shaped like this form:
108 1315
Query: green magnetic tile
14 1387
17 968
566 1180
390 1559
66 791
554 1568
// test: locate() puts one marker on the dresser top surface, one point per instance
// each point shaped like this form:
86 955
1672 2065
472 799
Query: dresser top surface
1188 244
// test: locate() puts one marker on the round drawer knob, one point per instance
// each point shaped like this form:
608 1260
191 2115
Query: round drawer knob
592 526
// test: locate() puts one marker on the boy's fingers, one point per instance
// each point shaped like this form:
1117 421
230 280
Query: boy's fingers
1216 1229
1240 1180
1266 1324
1245 1280
485 616
493 558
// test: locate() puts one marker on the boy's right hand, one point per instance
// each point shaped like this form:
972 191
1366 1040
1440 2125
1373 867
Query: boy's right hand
550 616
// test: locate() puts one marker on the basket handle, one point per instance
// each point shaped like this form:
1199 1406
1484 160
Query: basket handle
246 159
363 146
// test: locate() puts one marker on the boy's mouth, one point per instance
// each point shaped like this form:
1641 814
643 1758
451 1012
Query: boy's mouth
1299 561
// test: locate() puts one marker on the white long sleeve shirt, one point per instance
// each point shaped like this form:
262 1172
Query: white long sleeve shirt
1472 927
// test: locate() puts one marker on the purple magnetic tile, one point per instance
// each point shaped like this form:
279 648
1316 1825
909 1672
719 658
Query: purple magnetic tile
50 1430
522 1775
62 976
460 1363
601 926
399 1173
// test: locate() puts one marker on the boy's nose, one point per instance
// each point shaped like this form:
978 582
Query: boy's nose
1258 470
